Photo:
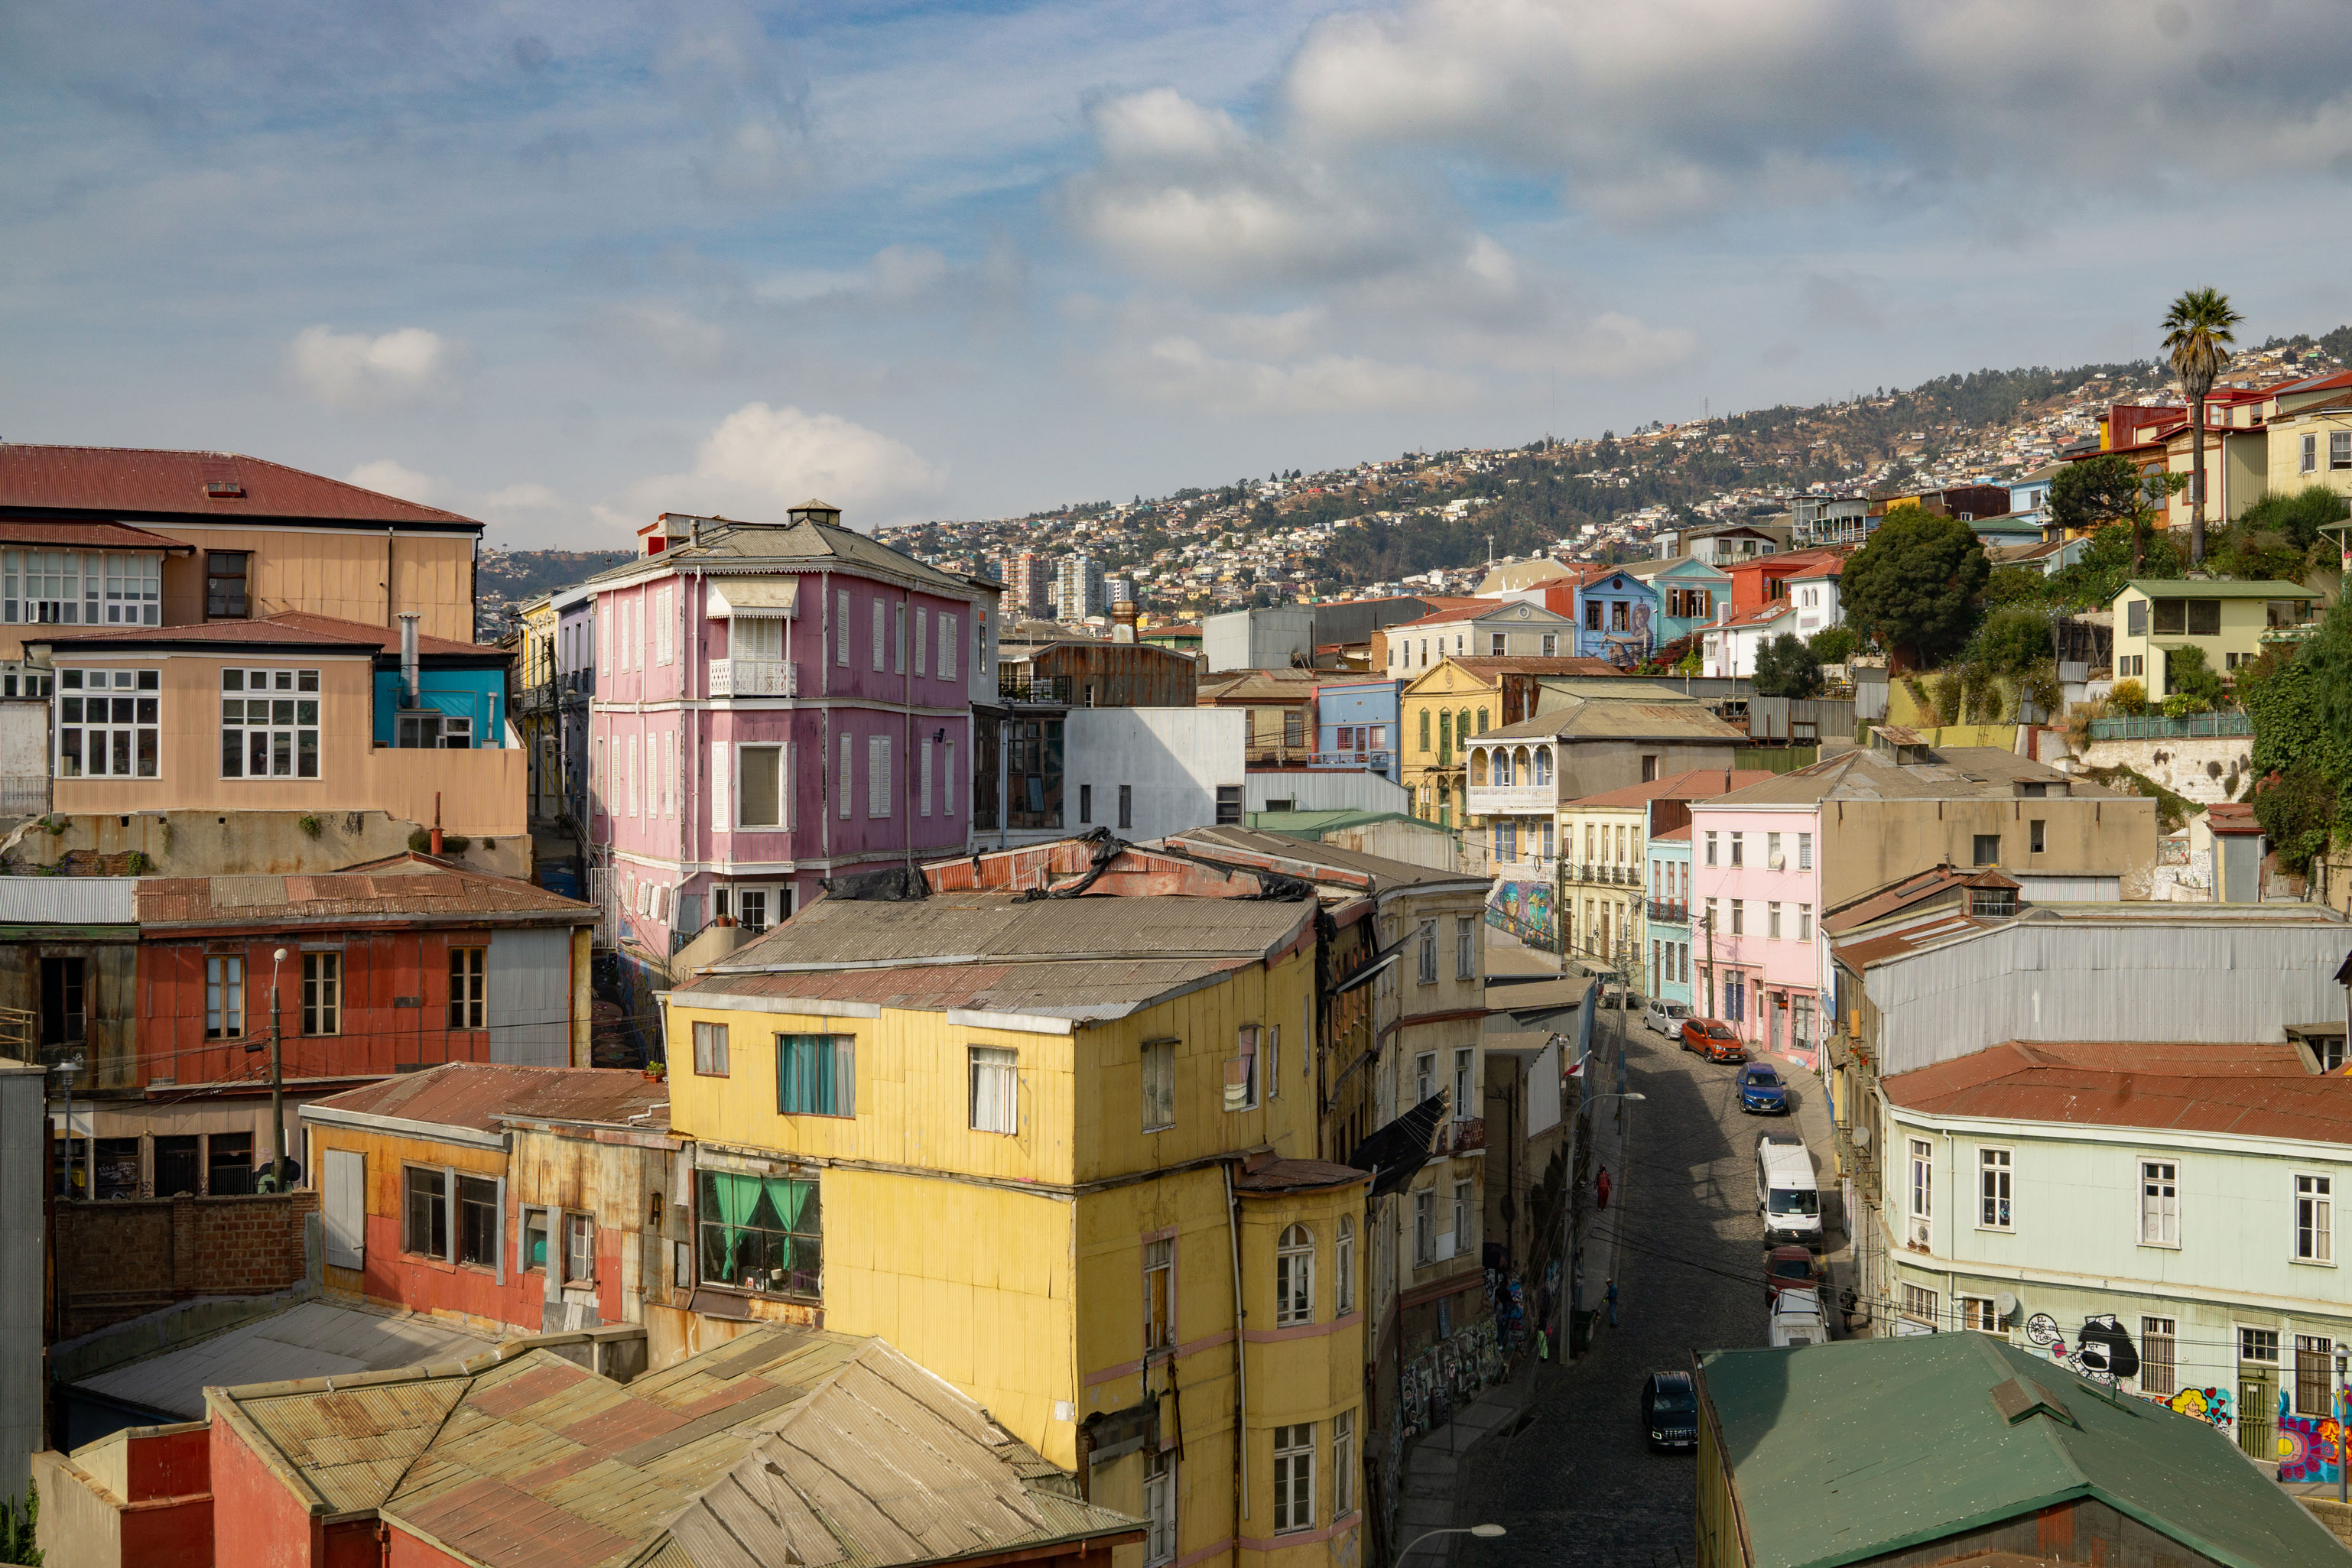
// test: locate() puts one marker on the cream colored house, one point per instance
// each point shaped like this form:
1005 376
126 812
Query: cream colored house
2226 620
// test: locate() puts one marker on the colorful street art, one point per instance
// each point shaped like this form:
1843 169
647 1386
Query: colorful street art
1521 908
2210 1405
2103 1352
2308 1448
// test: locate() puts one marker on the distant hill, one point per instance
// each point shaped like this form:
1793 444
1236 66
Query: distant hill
518 577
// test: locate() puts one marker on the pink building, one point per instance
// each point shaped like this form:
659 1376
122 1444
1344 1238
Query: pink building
775 705
1756 898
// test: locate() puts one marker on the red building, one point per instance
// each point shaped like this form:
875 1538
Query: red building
385 967
1758 582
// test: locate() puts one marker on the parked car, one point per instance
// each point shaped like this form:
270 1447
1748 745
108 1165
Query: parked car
1666 1017
1788 1267
1762 1090
1796 1318
1670 1410
1787 1195
1713 1039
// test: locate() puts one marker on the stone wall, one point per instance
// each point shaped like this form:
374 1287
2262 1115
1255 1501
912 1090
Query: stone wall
2206 769
119 1259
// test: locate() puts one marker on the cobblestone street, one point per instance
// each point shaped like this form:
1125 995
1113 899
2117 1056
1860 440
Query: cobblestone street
1578 1484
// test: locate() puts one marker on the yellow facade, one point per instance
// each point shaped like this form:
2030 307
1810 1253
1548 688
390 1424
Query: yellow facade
2311 447
1013 1264
1601 855
2227 620
1436 712
534 704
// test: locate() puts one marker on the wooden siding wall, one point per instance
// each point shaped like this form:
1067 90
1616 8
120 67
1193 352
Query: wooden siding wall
333 571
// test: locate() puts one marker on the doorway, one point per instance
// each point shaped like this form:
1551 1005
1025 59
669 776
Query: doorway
65 1015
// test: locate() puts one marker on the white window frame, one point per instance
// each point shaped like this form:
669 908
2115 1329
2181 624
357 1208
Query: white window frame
2315 1219
948 634
1920 1305
2161 1207
924 790
224 996
138 691
1159 1085
1294 1277
847 787
922 639
1244 1070
1425 1226
664 620
710 1053
881 633
1919 1193
2150 1331
741 797
1293 1478
993 1078
1343 1268
1465 945
1466 1082
1161 1513
947 780
1772 920
1426 953
841 617
898 637
1977 1313
1465 1217
1343 1465
1996 1186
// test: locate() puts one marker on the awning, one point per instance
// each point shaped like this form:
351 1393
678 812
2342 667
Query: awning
773 598
1397 1151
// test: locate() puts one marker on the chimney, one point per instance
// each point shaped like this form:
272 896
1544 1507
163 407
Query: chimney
1122 621
408 657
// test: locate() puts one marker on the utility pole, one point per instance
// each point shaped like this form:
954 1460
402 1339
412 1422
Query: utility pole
1707 921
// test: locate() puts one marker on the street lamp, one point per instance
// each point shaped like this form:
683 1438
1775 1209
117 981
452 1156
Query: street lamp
1483 1531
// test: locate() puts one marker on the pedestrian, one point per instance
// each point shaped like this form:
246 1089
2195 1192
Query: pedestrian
1543 1345
1601 1189
1610 1296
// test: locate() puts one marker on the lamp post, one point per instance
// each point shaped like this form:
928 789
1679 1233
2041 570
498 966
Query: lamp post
1483 1531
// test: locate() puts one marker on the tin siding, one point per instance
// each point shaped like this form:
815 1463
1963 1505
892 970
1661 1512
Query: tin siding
529 998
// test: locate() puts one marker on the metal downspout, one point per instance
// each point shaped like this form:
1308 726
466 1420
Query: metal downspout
1241 1355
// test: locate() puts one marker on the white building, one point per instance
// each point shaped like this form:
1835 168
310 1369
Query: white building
1078 589
1731 644
1815 594
1143 773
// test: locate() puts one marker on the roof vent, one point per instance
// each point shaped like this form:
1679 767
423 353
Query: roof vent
2018 1399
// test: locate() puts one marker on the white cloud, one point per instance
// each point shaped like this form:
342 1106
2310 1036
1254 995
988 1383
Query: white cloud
351 369
387 477
760 461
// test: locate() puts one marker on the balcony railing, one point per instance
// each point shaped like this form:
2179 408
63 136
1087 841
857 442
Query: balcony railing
755 679
1513 799
1606 873
1669 913
1015 687
1370 761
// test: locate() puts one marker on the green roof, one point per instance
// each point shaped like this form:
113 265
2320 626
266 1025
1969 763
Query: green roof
2167 589
1314 824
1845 1452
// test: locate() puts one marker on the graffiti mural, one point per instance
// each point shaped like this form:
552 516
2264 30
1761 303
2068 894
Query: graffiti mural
2308 1448
2103 1352
2210 1405
1521 907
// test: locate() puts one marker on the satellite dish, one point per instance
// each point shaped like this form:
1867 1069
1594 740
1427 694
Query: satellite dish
1862 1135
2004 1304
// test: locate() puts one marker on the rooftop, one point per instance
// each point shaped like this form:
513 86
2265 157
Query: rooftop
1083 991
58 533
1494 667
479 1094
2254 1089
1855 1450
288 629
730 546
729 1459
1915 889
2207 588
1288 854
149 483
1588 718
404 888
1953 773
1698 784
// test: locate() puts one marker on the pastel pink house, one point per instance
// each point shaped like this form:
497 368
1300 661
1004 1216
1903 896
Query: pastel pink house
776 704
1755 900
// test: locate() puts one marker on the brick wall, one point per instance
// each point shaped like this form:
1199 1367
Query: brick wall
118 1258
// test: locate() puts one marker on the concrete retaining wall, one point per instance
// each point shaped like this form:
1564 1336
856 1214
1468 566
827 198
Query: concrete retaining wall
218 843
2206 770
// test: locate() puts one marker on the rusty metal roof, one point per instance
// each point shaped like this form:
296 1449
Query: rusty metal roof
478 1094
288 629
1587 717
1861 955
62 534
729 1460
404 889
1296 1176
984 927
142 481
1488 666
1952 773
1698 784
1917 888
2250 1090
1083 992
1298 857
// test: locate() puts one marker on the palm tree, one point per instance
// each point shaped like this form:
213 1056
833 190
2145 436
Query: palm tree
2197 334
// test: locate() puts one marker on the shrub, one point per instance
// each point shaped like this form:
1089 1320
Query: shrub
309 823
1833 644
1950 694
1980 694
1787 668
2128 699
2039 686
2185 704
2296 809
2012 640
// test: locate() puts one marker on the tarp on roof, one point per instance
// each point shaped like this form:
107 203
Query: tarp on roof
1395 1154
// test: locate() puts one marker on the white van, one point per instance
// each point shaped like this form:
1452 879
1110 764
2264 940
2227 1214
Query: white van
1785 1194
1797 1318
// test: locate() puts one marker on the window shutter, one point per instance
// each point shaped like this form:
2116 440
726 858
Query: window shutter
841 629
498 1241
346 1209
922 626
881 631
927 777
849 781
877 776
845 1075
947 782
450 1214
721 814
947 647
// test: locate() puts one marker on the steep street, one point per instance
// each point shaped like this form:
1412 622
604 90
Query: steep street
1580 1484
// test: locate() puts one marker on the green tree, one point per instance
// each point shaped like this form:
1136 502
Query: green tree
2185 673
1833 644
19 1528
2017 585
2107 489
1913 587
2298 810
2197 335
2012 640
1786 667
2093 582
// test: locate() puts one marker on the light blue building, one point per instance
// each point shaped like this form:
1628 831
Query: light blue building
461 701
1356 727
1617 618
1688 592
1668 935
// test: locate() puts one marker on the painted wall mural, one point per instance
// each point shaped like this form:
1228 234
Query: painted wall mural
1521 908
2308 1448
2103 1352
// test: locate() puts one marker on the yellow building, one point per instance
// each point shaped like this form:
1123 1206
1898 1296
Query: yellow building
2228 620
2313 446
1059 1151
535 705
1603 851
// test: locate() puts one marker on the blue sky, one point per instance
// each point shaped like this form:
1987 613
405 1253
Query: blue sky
565 266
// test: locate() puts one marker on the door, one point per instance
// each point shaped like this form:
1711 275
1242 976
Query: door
344 1210
2257 1411
2241 868
64 1001
179 1163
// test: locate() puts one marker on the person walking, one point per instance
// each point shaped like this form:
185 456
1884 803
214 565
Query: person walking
1610 1296
1601 1189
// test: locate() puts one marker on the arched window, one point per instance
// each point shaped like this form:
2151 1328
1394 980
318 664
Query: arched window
1343 1269
1478 768
1482 721
1424 729
1543 763
1294 1277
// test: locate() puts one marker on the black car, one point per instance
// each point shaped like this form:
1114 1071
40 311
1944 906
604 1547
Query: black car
1670 1410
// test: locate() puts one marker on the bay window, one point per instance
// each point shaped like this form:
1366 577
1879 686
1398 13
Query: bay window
269 724
109 723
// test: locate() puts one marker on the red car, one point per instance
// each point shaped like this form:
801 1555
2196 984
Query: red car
1786 1266
1713 1039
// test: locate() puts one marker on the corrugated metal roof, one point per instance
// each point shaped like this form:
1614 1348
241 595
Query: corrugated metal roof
69 900
1489 667
141 480
727 545
288 629
2257 1090
477 1093
1956 773
406 887
312 1339
60 535
1860 1448
1698 784
2211 587
1386 873
1083 992
1587 717
980 926
732 1458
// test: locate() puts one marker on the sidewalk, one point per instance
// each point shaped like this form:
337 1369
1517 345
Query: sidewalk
1813 1121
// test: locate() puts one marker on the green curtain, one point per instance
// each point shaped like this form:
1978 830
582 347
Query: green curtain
734 1199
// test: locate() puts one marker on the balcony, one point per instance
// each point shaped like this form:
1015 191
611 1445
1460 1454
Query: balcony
755 679
1350 761
1014 687
1461 1136
1513 799
1666 913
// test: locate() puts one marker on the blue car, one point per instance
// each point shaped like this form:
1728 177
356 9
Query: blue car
1761 1090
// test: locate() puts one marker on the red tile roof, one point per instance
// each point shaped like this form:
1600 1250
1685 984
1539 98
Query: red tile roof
477 1093
2231 816
1492 664
386 639
1756 617
1295 1175
64 535
2249 1090
137 480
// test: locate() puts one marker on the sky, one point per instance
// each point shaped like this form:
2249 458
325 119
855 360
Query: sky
564 267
